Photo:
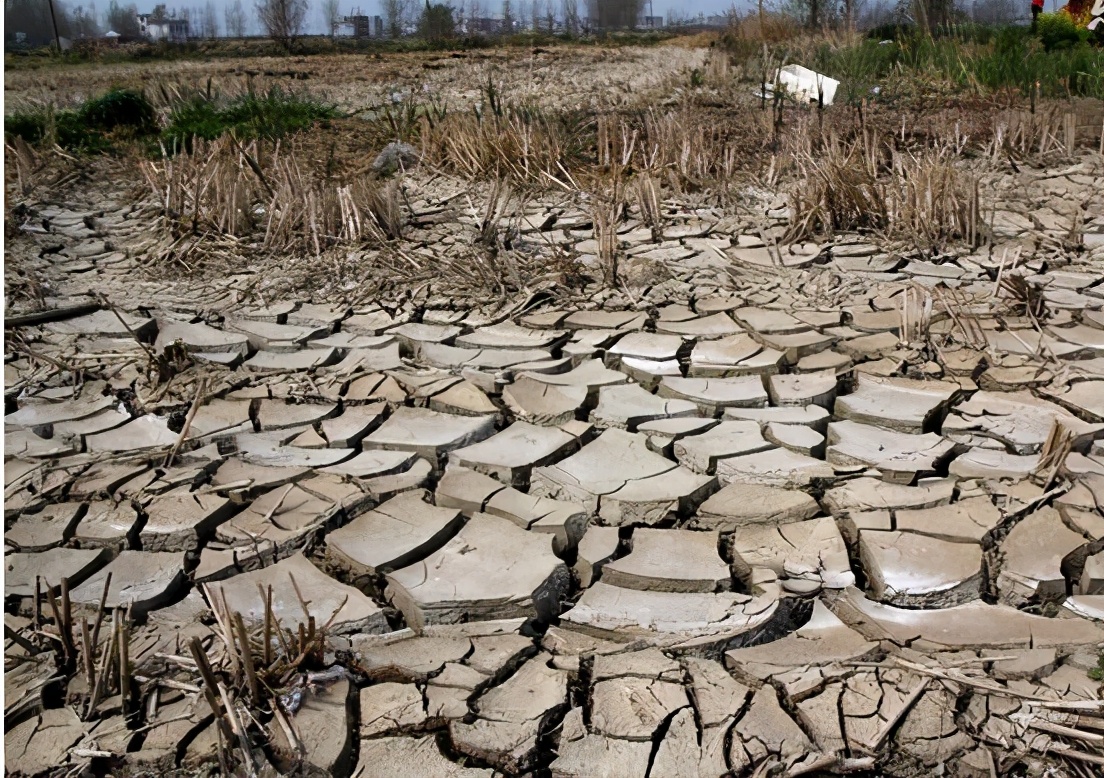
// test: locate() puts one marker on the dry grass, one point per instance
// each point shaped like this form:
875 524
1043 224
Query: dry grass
227 188
866 185
529 146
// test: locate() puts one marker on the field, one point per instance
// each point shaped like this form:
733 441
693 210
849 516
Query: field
558 410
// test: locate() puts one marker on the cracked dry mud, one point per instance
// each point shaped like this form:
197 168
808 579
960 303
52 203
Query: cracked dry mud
740 523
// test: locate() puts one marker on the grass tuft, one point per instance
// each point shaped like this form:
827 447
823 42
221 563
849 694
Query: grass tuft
270 115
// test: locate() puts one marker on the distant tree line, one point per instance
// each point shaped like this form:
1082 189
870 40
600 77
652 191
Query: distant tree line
30 22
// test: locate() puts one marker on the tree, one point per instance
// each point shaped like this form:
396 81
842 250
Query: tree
31 18
436 23
82 23
507 18
123 20
235 20
331 15
282 20
570 12
395 13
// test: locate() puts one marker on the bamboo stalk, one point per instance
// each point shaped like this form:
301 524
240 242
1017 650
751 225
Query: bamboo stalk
200 388
100 611
124 663
247 659
87 650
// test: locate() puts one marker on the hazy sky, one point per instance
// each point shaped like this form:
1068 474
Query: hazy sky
316 25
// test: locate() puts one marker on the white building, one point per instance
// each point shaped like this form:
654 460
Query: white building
163 29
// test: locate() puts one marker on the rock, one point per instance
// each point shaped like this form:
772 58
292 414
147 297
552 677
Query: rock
900 456
395 156
713 395
274 337
649 663
408 659
542 403
670 561
802 389
915 571
806 555
597 547
51 565
347 430
627 406
968 626
107 525
466 490
701 453
280 520
490 569
401 531
987 463
676 621
765 730
717 695
140 580
633 708
1085 399
344 608
812 416
507 335
898 404
404 757
736 355
176 521
969 520
625 321
822 640
51 527
645 346
717 325
290 362
42 743
199 338
777 467
867 494
147 431
1018 420
617 468
1031 558
428 433
1022 664
598 756
389 708
511 455
511 716
739 505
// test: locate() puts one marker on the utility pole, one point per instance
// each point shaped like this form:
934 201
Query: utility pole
53 18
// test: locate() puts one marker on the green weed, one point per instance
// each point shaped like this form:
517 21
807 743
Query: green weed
271 115
91 127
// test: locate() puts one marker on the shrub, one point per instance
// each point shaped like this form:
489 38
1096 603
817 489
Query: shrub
1058 31
31 127
120 108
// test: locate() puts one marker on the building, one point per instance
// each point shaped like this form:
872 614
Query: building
160 28
358 25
